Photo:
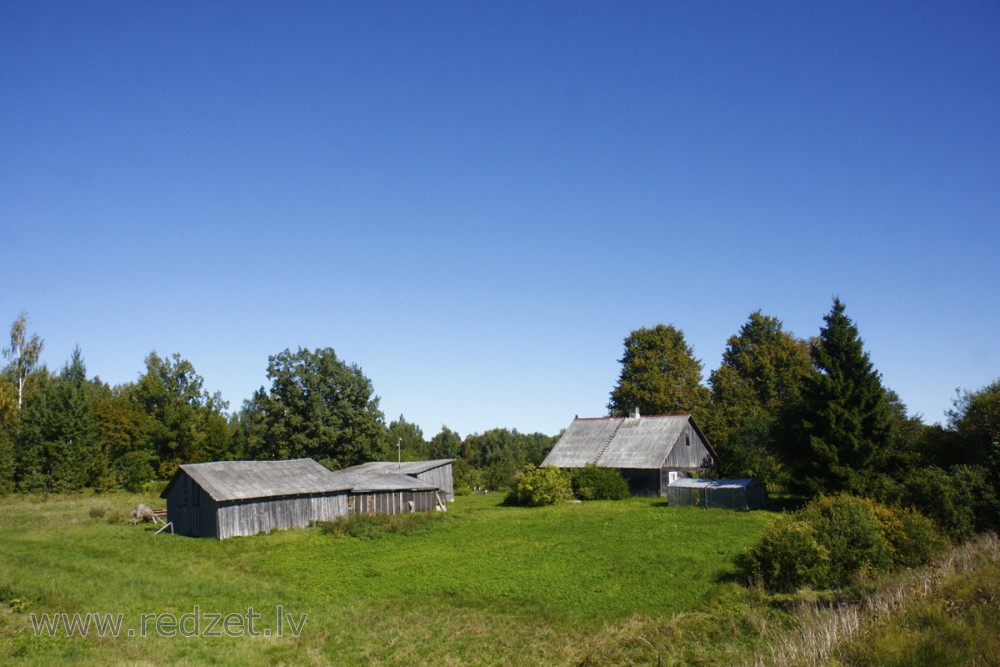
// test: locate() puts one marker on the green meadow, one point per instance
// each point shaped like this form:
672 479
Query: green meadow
630 582
481 584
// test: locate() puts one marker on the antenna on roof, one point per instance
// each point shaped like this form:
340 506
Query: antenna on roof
399 453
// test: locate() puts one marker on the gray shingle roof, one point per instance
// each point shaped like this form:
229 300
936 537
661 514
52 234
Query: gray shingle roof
405 468
361 481
618 442
243 480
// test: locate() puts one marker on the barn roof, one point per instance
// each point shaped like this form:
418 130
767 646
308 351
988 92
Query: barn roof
244 480
619 442
405 468
361 480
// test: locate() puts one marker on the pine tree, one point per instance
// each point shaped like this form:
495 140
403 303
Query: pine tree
845 428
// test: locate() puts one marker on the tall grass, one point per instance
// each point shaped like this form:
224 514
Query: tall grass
822 632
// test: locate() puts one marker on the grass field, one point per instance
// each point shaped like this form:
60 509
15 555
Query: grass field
604 583
484 584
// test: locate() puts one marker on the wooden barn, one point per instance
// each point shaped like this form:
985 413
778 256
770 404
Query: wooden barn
376 491
650 452
438 472
229 498
733 494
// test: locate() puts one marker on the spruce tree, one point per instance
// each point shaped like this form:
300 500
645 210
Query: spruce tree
845 428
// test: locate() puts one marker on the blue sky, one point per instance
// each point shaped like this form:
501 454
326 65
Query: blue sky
477 201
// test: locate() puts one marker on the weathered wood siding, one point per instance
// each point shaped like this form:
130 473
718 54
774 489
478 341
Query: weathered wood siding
689 452
441 477
391 502
191 510
267 514
194 513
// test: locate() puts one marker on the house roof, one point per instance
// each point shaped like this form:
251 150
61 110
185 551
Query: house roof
619 442
404 468
244 480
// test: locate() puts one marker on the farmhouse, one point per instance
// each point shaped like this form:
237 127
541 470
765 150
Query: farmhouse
229 498
733 494
437 472
650 452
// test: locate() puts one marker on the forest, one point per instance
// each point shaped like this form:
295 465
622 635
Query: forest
807 417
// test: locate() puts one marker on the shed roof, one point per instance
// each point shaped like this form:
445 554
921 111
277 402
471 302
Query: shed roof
692 483
361 480
405 467
244 480
618 442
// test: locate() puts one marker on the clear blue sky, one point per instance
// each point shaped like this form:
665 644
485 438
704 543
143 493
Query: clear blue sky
477 201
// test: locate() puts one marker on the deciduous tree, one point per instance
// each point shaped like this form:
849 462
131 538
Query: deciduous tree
318 406
659 375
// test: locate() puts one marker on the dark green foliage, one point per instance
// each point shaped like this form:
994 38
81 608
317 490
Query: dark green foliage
406 440
975 421
535 487
787 556
947 498
660 375
844 429
185 424
593 482
759 382
318 406
500 453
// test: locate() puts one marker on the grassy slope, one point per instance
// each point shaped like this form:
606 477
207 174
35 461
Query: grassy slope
488 585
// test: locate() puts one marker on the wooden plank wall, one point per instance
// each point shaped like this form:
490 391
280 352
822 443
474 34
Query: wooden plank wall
441 477
391 502
267 514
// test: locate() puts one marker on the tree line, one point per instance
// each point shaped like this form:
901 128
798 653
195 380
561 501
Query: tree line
63 430
813 417
805 416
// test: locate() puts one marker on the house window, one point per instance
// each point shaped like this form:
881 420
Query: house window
687 439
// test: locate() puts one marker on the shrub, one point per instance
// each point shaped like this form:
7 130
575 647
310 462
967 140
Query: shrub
849 528
787 557
945 498
918 541
535 487
593 482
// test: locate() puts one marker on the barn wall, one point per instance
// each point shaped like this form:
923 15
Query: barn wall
440 477
266 514
391 502
689 452
190 509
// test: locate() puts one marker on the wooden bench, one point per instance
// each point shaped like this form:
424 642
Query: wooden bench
160 513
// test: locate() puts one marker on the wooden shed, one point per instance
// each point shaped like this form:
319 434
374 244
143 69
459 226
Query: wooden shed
650 452
734 494
374 491
230 498
438 472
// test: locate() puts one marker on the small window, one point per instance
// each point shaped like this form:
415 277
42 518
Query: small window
687 439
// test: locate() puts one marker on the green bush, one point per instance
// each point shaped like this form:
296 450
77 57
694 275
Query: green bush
918 540
535 487
593 482
946 498
849 528
787 557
